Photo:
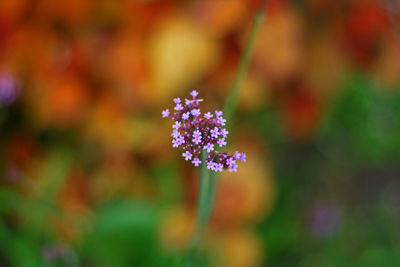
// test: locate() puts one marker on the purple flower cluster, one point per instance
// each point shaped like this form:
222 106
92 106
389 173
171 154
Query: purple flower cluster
196 133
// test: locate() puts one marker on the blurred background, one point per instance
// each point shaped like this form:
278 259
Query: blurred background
88 176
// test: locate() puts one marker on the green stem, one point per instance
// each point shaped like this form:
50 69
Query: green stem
212 188
241 71
208 179
202 203
205 200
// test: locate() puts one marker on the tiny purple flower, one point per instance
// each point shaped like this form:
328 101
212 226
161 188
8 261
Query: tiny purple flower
175 143
177 125
243 157
181 139
175 133
210 165
224 132
196 137
208 115
221 121
221 142
197 133
178 107
178 141
187 155
236 155
194 93
233 168
230 162
177 100
218 113
185 116
214 132
209 147
196 112
196 161
197 140
165 113
218 167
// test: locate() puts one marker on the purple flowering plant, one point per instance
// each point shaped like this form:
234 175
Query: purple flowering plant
195 133
200 135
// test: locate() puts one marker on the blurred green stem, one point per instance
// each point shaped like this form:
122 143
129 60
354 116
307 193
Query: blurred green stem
203 202
241 71
207 186
208 179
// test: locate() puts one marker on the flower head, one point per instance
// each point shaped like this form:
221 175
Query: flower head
201 133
